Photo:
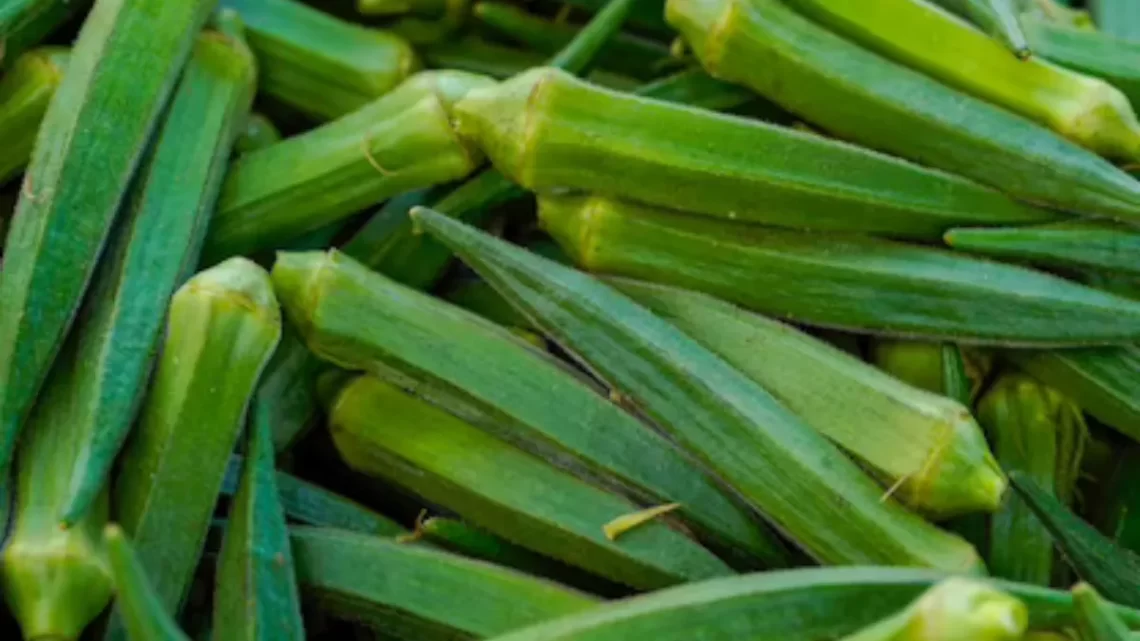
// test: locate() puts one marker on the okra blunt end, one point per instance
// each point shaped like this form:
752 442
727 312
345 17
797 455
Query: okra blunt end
705 25
572 221
965 610
296 278
961 474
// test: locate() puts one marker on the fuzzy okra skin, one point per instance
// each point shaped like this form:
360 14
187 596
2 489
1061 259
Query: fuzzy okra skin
1088 245
146 615
222 327
381 430
814 603
153 249
481 372
420 592
78 178
401 141
319 64
23 23
546 129
863 97
789 472
927 448
26 88
953 610
1038 431
838 280
1084 109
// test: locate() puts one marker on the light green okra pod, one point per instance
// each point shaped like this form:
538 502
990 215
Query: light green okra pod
953 610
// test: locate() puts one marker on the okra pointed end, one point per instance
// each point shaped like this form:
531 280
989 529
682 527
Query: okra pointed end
965 609
961 471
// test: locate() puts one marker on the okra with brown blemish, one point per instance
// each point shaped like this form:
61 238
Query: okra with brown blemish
79 175
547 130
26 88
401 141
324 66
489 377
860 96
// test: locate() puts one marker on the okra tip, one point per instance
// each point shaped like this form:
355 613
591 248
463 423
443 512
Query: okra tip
962 472
240 281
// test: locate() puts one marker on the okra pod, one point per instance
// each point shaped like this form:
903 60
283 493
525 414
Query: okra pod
794 476
1091 244
842 281
155 247
402 141
1090 52
1103 382
78 178
26 88
1112 569
1001 19
257 597
812 603
491 378
926 448
1038 431
1095 619
24 23
222 327
941 368
147 618
545 130
953 610
259 133
505 490
419 593
319 64
863 97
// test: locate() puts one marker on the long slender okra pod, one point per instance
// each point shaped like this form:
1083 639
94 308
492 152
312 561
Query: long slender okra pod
840 280
547 130
78 179
26 88
222 327
863 97
795 477
317 63
1091 244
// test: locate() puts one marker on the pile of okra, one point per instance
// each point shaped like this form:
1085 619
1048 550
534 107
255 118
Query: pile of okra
570 320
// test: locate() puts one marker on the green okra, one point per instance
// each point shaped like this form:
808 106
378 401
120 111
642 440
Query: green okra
546 130
1036 430
26 88
1090 52
401 141
259 133
860 96
953 610
321 65
1086 244
811 603
1104 382
790 473
492 379
153 249
476 55
506 490
941 368
1119 18
257 596
631 55
420 593
222 327
287 391
696 88
24 23
1110 568
478 296
1001 19
78 178
146 616
844 281
311 504
926 448
1096 620
1084 109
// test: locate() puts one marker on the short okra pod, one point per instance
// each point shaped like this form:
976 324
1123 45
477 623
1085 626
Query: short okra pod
547 130
26 88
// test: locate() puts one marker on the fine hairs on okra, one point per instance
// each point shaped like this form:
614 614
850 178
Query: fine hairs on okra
865 98
838 280
953 610
790 473
399 142
492 379
78 178
927 448
1084 109
26 88
545 129
317 63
